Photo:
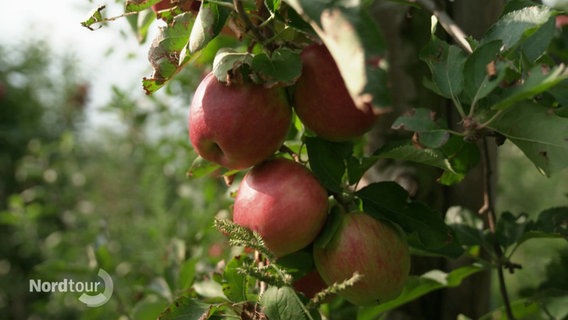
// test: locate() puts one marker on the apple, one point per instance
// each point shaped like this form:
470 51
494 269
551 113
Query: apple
282 201
322 101
561 21
185 5
374 249
237 125
309 284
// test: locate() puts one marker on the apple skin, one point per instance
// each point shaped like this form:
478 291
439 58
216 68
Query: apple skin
282 201
237 125
374 249
322 101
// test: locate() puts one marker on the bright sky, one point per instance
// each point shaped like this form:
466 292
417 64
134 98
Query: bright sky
59 23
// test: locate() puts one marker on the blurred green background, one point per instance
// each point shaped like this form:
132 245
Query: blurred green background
75 198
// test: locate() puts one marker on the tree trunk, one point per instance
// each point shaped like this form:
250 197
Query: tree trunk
406 31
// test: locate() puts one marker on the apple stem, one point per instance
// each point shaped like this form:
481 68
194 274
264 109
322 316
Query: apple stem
284 148
341 201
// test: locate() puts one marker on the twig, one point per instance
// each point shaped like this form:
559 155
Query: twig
488 122
97 18
245 18
284 148
447 23
488 208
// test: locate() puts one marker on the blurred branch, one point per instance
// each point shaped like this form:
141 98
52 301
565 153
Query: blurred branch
447 23
239 8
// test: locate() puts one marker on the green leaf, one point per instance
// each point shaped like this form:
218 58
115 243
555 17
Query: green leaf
282 304
186 308
545 304
419 120
204 27
187 273
560 93
149 308
208 24
95 17
431 132
554 221
405 150
234 283
145 20
522 309
356 167
284 67
227 60
425 227
297 264
510 229
418 286
551 223
165 52
515 5
537 81
327 161
467 226
201 167
515 230
354 41
462 156
539 133
331 226
517 25
386 196
536 45
448 152
273 5
478 83
105 259
138 5
446 63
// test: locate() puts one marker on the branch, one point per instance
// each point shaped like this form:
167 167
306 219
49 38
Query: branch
245 18
488 208
447 23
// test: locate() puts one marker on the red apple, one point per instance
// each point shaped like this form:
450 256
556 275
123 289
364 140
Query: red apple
561 21
374 249
310 284
185 5
162 5
322 101
237 125
282 201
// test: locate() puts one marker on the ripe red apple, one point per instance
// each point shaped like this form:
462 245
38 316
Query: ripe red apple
561 21
282 201
374 249
185 5
322 101
237 125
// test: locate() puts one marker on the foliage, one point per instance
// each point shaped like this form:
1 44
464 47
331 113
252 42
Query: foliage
502 85
506 85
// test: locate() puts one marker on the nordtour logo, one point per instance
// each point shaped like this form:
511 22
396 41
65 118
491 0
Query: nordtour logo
86 288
